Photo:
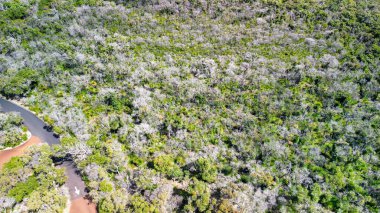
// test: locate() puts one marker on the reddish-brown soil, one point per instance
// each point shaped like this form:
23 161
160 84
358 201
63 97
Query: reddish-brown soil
82 205
6 155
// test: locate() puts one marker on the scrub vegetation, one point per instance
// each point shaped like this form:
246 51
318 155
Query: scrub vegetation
199 105
31 183
12 130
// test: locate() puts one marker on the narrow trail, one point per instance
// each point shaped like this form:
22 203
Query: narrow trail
76 186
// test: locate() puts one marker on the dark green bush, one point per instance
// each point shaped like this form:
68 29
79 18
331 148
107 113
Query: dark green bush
15 10
206 169
20 83
23 189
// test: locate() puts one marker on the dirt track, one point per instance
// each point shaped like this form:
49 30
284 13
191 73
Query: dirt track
81 205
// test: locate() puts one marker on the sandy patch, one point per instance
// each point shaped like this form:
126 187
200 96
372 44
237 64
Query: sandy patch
6 155
82 205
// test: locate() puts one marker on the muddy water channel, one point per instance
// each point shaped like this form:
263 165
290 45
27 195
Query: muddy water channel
40 134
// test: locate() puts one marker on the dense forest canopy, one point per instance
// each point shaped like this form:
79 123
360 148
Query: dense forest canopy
197 105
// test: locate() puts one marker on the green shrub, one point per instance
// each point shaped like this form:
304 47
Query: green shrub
14 163
20 83
200 197
207 169
139 205
166 165
48 120
24 137
106 205
245 178
105 186
23 189
227 170
16 10
98 158
68 141
44 4
58 130
135 160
